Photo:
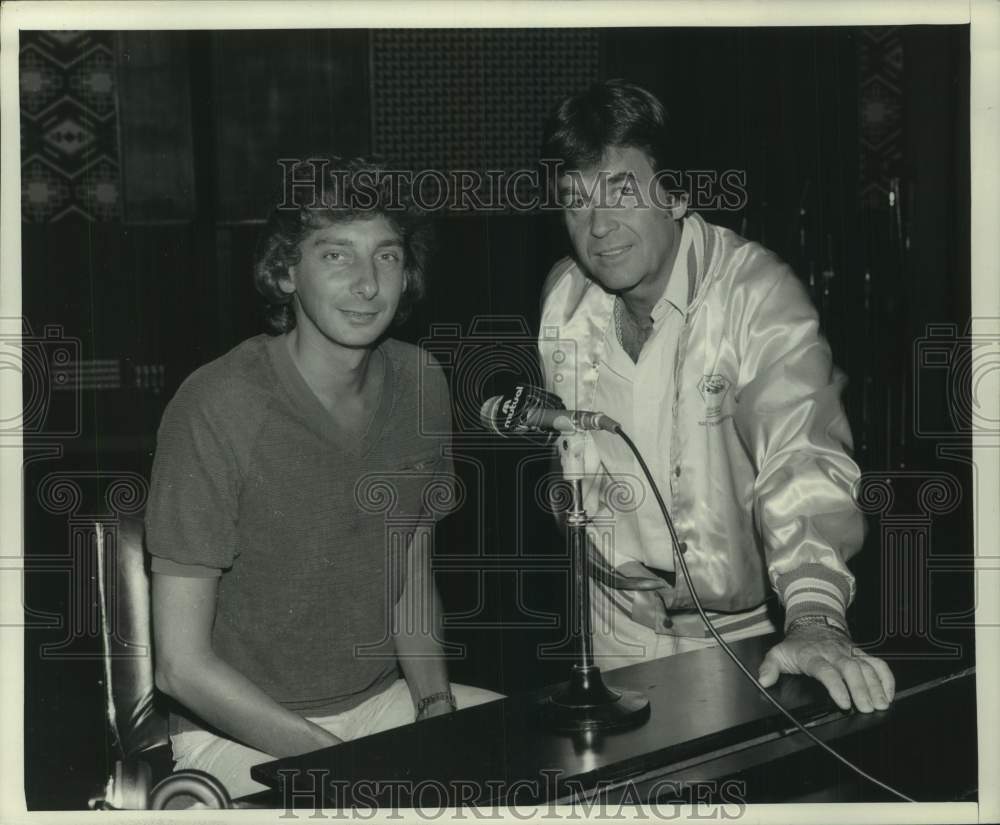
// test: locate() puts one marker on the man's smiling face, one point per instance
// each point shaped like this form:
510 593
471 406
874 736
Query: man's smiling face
622 236
348 281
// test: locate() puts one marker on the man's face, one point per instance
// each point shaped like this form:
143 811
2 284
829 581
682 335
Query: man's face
348 281
622 236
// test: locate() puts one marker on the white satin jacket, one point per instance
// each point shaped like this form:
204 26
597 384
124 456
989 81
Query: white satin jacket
763 480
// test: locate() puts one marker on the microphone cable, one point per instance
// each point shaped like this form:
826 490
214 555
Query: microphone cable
711 628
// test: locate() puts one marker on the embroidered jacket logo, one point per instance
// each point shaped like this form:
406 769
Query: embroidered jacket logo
713 389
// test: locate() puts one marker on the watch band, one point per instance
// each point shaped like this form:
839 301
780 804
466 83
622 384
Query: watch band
803 621
433 699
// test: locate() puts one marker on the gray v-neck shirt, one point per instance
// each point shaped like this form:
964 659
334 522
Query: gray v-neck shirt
253 481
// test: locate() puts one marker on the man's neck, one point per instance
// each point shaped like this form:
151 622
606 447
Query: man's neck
331 371
640 300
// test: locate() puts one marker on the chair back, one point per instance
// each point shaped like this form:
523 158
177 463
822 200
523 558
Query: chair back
137 723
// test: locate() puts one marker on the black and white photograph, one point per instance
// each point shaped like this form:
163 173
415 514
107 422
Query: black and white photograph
500 411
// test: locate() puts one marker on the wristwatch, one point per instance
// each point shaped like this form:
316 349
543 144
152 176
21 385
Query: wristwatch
824 620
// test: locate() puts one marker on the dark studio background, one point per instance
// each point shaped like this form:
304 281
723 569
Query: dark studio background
147 161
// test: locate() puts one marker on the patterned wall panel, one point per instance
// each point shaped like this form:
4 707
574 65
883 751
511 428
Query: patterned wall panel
69 141
473 99
881 117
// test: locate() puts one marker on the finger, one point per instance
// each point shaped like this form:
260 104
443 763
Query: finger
853 674
831 679
769 671
884 674
879 699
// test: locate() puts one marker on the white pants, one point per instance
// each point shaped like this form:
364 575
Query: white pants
619 641
230 762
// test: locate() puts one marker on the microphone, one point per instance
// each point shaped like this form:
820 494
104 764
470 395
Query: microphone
529 409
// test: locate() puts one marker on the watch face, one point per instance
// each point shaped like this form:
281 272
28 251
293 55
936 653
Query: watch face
834 623
818 620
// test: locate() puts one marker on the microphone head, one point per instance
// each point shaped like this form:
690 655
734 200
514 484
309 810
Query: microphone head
509 415
489 415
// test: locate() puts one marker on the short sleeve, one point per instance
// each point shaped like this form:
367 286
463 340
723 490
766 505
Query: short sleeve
185 571
191 515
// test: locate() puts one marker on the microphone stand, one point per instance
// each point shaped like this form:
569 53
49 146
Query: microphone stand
586 703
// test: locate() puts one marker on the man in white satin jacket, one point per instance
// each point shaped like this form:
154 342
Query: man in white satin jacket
706 348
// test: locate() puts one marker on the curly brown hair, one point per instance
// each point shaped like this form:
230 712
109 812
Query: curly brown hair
327 189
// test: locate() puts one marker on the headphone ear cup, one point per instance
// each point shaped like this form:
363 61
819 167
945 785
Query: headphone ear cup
186 787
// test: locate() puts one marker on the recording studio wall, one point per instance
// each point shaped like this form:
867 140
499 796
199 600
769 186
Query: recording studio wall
149 156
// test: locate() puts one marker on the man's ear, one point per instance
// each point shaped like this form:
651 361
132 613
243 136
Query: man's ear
678 206
287 282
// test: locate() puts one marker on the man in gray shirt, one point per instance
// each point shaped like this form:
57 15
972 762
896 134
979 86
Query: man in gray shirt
283 607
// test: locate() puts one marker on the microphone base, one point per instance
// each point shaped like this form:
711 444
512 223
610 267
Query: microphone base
587 704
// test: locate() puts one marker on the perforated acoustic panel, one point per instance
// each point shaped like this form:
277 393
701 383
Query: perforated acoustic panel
474 100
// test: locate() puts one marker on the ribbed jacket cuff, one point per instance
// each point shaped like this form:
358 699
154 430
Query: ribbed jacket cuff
814 590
